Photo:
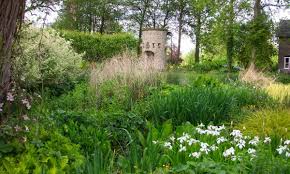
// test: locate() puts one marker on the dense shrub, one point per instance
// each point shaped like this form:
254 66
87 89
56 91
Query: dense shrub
204 103
46 59
98 47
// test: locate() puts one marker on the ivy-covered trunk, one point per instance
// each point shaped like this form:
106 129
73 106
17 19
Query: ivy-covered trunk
11 15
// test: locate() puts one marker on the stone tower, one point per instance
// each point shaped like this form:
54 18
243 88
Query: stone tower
153 46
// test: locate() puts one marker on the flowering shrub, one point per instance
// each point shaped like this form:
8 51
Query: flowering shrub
217 143
46 58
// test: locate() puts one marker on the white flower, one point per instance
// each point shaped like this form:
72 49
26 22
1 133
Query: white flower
204 147
220 128
252 152
17 128
236 133
26 103
241 144
233 158
168 145
183 138
287 154
287 142
26 128
25 117
200 125
172 138
229 152
200 131
254 141
10 97
213 147
212 132
281 149
221 140
182 148
154 142
267 140
192 141
195 154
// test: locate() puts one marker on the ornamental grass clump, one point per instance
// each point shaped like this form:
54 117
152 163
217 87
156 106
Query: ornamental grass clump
255 77
280 92
126 78
217 103
268 123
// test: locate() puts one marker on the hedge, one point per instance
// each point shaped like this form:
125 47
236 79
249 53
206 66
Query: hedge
98 47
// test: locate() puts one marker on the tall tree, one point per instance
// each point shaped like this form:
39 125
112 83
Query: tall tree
90 15
201 17
160 13
182 11
138 14
11 16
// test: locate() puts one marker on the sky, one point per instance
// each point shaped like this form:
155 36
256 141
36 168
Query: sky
186 45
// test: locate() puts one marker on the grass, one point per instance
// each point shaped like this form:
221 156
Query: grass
280 92
274 122
202 103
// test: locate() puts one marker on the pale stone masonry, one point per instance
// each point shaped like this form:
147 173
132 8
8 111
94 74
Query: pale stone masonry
154 46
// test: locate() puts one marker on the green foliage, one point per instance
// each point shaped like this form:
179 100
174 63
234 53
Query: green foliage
49 152
81 99
202 103
98 47
282 78
46 59
253 39
268 123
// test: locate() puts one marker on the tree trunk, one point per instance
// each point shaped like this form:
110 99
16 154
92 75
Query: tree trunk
230 37
197 38
257 13
102 27
180 18
11 12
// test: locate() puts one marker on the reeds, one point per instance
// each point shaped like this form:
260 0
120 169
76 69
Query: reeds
126 68
255 77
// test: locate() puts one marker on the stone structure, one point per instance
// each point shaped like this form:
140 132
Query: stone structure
154 46
284 46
